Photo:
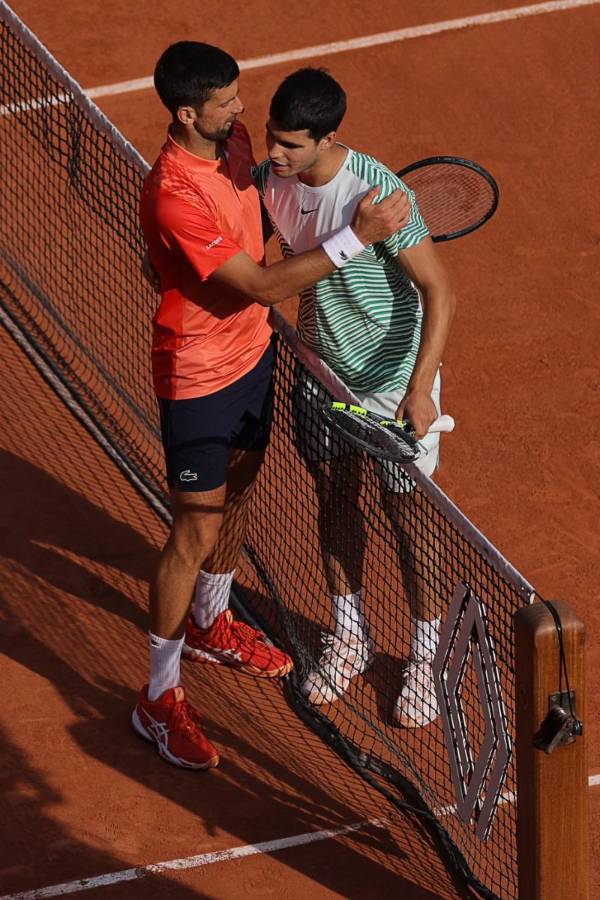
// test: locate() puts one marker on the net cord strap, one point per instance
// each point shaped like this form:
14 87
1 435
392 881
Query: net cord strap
341 392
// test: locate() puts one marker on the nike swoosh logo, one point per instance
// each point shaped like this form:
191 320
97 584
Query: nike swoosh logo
305 212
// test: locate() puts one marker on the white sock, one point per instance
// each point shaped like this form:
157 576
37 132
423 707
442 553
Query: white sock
165 657
211 597
349 617
425 639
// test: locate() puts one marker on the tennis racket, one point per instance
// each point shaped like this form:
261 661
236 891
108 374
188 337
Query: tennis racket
455 196
379 437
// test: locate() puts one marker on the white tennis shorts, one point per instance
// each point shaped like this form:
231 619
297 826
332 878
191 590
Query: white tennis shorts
312 436
387 404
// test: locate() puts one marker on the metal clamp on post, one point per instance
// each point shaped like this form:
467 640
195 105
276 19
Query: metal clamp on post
561 726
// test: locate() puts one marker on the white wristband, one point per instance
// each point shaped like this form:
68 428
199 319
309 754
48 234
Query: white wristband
342 246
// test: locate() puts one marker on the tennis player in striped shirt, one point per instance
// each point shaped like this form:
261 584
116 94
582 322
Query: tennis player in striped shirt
380 321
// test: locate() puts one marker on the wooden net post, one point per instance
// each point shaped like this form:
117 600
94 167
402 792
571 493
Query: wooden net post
552 787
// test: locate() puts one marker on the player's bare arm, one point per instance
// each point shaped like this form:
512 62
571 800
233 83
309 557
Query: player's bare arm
271 284
426 270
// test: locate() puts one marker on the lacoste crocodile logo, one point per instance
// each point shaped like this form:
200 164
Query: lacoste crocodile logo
186 475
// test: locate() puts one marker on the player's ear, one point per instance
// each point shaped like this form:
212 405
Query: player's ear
185 115
328 141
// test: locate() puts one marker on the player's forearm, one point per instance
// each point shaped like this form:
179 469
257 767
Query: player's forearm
439 305
372 221
268 285
286 278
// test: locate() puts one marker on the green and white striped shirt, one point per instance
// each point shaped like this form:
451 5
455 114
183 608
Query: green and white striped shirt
363 320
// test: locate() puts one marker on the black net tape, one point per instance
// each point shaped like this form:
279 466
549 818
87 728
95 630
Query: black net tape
70 281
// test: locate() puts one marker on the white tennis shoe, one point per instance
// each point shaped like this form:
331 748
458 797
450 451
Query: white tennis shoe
341 660
417 704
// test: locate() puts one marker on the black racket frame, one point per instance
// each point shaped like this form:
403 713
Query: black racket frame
396 437
468 164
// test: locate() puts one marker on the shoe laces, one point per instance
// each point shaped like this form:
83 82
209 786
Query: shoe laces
185 719
245 634
335 648
418 675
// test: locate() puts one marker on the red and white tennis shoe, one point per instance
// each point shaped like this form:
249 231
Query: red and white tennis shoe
231 643
173 724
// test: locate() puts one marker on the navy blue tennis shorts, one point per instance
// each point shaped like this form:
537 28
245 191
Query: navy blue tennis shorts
199 434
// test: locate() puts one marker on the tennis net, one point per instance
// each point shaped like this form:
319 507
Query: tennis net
72 294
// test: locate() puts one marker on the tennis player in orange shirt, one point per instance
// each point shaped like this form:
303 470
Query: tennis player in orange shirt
212 359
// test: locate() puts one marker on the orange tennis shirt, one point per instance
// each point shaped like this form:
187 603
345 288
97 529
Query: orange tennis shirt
196 214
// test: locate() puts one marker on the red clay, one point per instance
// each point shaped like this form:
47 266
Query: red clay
521 377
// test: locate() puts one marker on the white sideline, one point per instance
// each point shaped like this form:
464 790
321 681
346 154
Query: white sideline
190 862
371 40
207 859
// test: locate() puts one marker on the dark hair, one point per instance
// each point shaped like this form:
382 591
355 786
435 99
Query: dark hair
188 72
309 99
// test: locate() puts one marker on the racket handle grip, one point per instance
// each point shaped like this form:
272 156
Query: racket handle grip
442 423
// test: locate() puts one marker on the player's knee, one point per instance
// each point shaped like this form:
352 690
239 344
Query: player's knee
194 541
197 520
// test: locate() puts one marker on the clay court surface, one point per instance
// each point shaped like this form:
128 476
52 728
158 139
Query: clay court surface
82 796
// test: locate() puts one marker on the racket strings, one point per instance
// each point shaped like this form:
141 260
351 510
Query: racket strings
451 197
389 441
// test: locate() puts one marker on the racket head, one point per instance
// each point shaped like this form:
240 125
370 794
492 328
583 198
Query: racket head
455 195
379 437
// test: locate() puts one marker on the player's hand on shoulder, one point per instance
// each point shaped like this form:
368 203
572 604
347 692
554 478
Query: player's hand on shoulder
376 221
418 407
150 273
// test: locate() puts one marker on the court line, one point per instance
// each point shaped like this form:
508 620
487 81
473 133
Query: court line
207 859
191 862
372 40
